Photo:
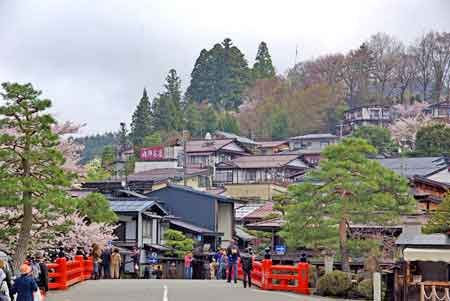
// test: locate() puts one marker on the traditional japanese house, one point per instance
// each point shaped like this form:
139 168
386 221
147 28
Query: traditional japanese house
207 153
210 217
370 115
312 141
259 177
272 147
424 267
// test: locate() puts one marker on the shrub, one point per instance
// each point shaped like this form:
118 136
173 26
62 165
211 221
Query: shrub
335 284
365 289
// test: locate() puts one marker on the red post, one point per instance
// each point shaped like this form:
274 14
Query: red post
266 274
62 271
303 278
80 261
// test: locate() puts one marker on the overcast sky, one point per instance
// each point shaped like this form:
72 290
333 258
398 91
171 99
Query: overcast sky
93 58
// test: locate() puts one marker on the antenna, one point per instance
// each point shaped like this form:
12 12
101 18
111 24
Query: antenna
296 54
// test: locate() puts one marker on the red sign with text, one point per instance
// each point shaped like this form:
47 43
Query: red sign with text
152 153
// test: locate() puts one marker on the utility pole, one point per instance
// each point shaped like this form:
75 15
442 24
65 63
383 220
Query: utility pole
184 159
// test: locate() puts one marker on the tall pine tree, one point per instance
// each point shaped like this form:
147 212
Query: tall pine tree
167 105
142 121
219 77
263 68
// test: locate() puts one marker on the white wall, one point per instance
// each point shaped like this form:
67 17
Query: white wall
225 222
149 165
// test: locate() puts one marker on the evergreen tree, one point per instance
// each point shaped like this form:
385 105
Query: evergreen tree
439 221
31 170
167 105
348 188
209 119
193 120
228 123
433 140
219 77
108 158
142 123
152 140
263 68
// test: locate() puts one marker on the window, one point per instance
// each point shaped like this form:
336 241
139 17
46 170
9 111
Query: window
224 176
203 181
199 160
147 228
250 175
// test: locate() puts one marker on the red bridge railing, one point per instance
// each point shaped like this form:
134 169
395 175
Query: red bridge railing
66 273
279 277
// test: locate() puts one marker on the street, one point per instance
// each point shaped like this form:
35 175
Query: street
170 290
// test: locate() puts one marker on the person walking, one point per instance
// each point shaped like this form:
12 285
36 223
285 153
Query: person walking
5 283
233 258
158 272
247 267
25 286
188 266
116 262
223 263
106 263
42 279
213 269
96 258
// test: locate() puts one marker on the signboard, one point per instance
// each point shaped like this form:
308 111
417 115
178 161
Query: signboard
280 249
152 260
152 153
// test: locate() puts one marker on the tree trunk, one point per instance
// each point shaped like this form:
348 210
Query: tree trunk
343 245
25 233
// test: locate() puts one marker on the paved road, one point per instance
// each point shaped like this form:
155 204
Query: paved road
169 290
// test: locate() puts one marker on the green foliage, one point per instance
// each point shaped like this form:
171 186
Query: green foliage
94 145
378 137
142 120
167 105
95 171
209 119
219 77
108 158
433 140
439 221
335 284
228 123
279 124
364 247
193 120
365 289
263 68
31 173
152 140
347 188
95 206
178 242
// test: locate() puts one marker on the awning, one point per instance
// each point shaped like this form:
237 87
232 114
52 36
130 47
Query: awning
436 255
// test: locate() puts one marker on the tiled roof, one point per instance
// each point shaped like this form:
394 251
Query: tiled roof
409 167
423 239
261 212
243 211
130 205
191 227
315 136
271 223
267 144
161 174
196 146
234 136
263 161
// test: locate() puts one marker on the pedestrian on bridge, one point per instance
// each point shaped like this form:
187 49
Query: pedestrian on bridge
233 259
247 266
25 286
223 263
116 262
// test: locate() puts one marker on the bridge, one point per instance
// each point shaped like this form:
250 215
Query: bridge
170 290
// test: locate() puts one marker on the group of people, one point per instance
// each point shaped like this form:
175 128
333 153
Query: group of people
223 261
33 280
107 262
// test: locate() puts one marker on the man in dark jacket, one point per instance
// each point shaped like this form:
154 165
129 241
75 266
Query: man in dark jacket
106 263
247 267
42 281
